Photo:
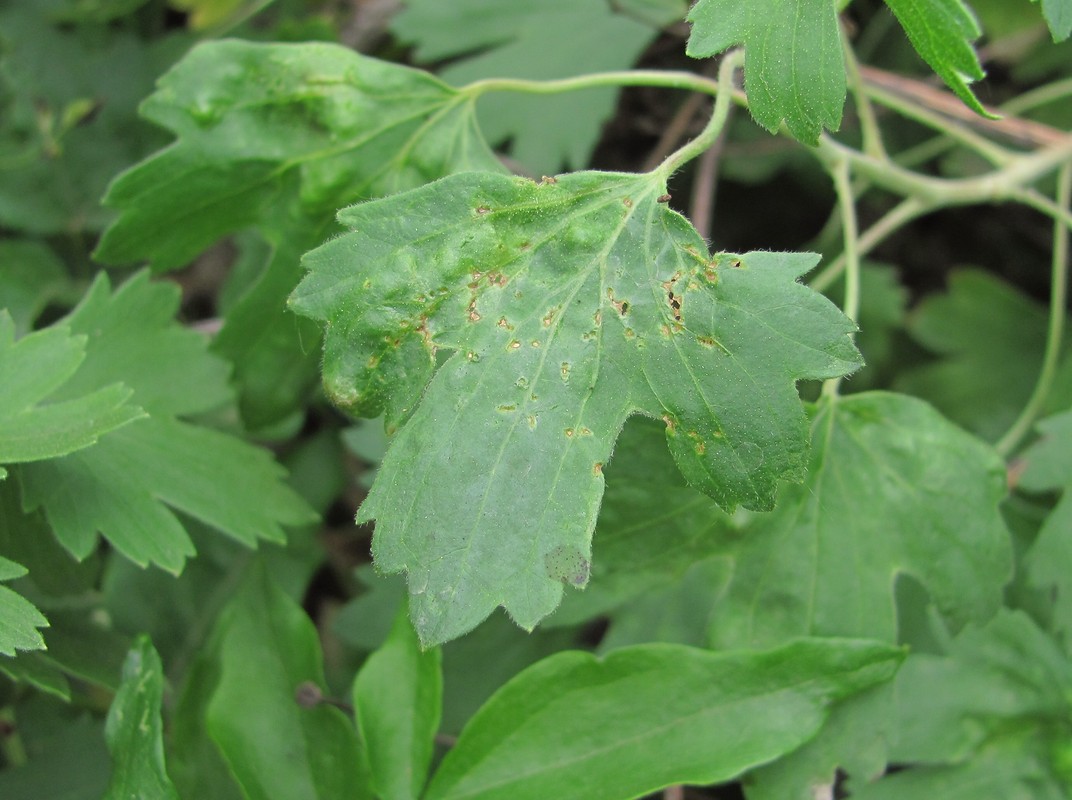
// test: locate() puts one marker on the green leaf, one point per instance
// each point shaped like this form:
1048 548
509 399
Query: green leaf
989 339
1049 467
794 69
507 39
569 306
257 122
893 488
276 748
999 699
651 528
19 619
134 730
124 487
398 698
1058 15
575 726
40 367
942 32
120 486
31 276
133 337
71 123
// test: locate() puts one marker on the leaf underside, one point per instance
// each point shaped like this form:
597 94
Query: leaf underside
569 305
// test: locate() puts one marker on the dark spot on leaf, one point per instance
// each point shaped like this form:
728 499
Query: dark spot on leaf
483 210
567 564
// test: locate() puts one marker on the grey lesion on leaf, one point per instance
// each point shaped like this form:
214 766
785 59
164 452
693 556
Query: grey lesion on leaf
568 565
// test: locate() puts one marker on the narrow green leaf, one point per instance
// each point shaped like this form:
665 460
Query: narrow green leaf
1058 15
19 619
256 122
507 39
569 306
794 69
398 698
134 730
575 726
893 488
942 32
277 749
39 367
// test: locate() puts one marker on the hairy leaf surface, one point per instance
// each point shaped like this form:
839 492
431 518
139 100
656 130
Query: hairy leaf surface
892 488
942 32
794 69
135 731
646 717
569 305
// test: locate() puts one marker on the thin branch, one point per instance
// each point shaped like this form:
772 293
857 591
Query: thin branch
1056 329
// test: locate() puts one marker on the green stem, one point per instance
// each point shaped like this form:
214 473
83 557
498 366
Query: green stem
869 128
1043 95
900 215
839 171
993 153
688 81
730 62
1056 331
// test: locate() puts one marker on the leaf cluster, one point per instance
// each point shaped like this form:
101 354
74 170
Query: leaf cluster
325 337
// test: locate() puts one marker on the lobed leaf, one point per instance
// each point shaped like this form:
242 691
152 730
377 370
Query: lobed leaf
135 732
1058 15
794 69
569 305
40 367
942 31
120 486
19 619
893 488
260 122
646 717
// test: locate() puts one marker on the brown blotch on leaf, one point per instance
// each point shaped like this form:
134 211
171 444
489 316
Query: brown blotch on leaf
546 179
627 202
671 424
597 468
663 198
483 210
510 407
569 433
